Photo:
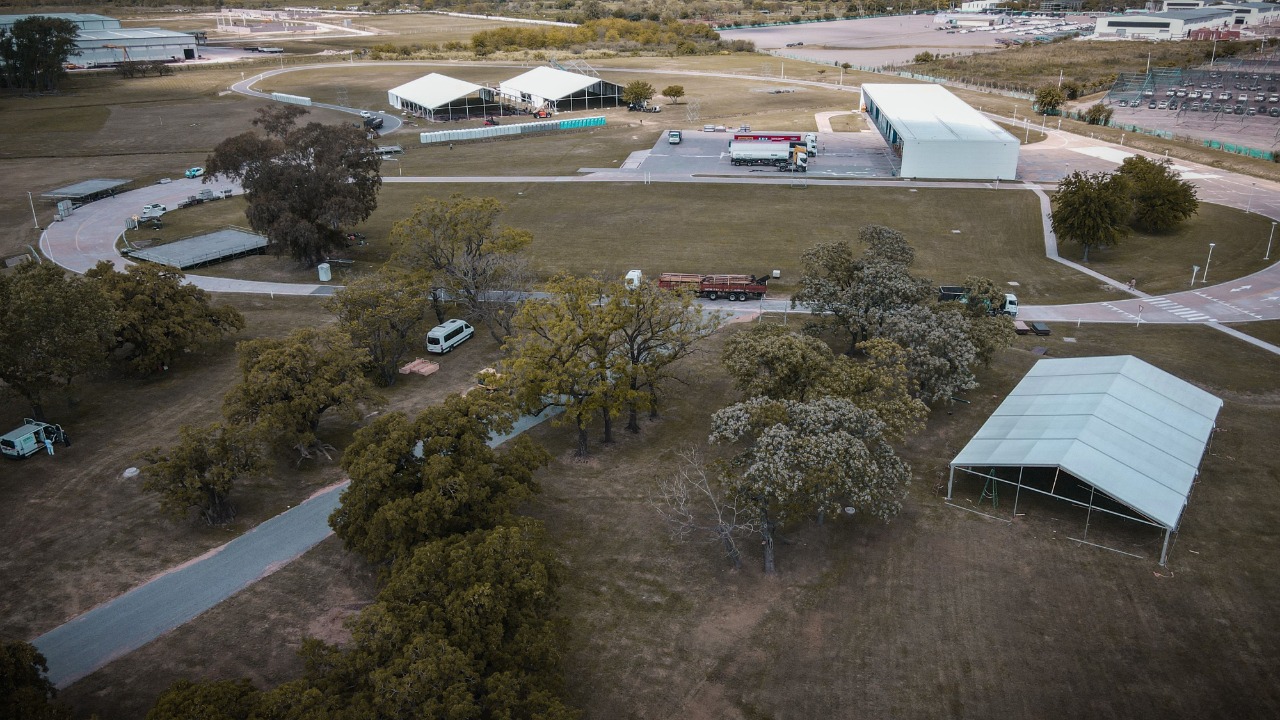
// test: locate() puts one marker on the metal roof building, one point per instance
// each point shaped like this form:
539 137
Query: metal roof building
1170 25
107 47
553 89
937 135
84 21
1130 434
440 97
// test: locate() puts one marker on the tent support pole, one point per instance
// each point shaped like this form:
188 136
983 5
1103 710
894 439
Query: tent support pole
1053 490
1089 513
1017 491
1164 551
951 478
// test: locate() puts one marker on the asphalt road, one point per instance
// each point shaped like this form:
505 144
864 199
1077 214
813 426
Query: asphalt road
130 621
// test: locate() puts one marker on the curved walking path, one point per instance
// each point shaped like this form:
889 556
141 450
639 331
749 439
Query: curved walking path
126 623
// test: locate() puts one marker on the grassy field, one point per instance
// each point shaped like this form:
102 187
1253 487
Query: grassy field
938 613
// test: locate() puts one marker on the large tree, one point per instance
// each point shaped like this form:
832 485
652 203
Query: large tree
799 460
475 262
1161 198
25 692
34 52
1049 99
561 353
158 316
305 186
673 93
57 328
638 92
385 313
212 700
200 471
1091 209
413 481
288 384
939 353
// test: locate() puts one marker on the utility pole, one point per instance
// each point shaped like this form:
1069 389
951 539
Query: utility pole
36 219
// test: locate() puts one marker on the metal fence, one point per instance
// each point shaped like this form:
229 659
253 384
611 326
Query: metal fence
493 131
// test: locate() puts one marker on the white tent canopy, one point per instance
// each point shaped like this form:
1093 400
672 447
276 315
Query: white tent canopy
434 91
547 86
1124 427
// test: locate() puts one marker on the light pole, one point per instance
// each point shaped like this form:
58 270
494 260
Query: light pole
34 219
1194 269
1214 54
1205 276
1269 238
1249 205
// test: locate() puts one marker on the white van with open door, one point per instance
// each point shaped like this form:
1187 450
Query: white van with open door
446 337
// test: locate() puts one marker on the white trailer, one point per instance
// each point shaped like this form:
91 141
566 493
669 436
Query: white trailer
780 155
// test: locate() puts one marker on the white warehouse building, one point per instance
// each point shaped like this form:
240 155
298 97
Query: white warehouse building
937 135
1172 25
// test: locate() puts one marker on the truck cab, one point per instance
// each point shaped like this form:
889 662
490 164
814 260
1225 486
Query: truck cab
674 137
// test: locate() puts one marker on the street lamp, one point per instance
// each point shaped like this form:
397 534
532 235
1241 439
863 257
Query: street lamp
1249 205
1205 276
34 218
1269 238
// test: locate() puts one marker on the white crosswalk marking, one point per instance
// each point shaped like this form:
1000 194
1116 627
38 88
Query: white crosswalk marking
1181 311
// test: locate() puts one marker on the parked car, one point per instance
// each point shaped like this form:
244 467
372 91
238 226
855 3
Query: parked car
1274 112
154 210
1151 105
365 114
1250 112
195 172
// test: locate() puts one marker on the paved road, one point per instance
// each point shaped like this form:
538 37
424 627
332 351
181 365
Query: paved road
128 622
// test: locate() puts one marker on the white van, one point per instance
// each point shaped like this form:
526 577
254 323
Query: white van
446 337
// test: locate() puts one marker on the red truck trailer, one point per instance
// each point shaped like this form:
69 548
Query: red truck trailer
714 287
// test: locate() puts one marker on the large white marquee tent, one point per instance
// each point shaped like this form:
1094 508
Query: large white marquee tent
1127 430
554 89
435 95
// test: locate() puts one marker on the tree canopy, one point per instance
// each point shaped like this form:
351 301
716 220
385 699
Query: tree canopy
458 245
158 316
814 458
673 93
34 52
385 313
1049 99
638 92
1161 198
1091 209
213 700
200 471
305 186
25 691
57 327
413 481
287 384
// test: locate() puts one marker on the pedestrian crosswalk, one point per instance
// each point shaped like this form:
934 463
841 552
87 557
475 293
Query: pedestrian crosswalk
1181 311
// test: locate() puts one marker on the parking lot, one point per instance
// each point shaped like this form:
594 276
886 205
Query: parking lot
862 154
1240 104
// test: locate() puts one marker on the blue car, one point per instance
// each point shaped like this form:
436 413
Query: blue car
195 172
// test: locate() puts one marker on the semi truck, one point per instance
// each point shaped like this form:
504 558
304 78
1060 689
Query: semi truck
714 287
958 293
782 156
808 140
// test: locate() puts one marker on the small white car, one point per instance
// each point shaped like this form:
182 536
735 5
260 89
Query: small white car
366 114
154 210
195 172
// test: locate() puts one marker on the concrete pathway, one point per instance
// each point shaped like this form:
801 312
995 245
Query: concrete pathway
130 621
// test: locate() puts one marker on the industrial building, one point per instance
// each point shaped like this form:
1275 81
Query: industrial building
84 21
1114 436
1172 25
109 47
440 97
937 135
1253 13
548 88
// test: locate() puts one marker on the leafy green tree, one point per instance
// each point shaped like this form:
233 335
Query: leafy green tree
34 52
673 93
57 328
802 459
305 186
25 691
413 481
288 384
213 700
854 293
1071 89
638 92
1091 209
158 316
1048 99
463 628
1098 114
924 57
386 314
476 262
939 352
655 328
1161 198
560 354
201 470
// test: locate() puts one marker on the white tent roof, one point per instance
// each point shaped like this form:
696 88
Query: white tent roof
926 112
1131 430
549 83
434 90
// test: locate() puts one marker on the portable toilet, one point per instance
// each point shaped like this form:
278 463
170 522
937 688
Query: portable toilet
326 272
